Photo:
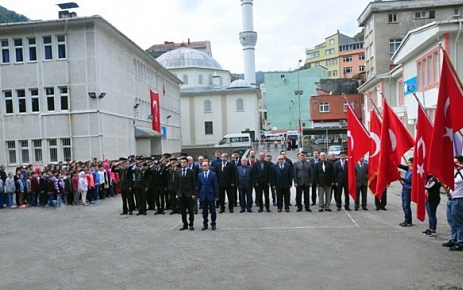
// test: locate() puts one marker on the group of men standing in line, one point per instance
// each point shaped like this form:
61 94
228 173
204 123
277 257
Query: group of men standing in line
179 187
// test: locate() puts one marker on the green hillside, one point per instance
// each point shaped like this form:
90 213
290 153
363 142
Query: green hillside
7 16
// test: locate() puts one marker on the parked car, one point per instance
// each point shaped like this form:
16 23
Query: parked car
336 149
321 141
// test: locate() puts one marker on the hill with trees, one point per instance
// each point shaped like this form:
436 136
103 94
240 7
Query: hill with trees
8 16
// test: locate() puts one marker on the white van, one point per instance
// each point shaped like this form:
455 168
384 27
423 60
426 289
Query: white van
241 140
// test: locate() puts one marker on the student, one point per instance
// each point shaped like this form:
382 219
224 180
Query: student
20 189
59 189
10 189
83 187
432 202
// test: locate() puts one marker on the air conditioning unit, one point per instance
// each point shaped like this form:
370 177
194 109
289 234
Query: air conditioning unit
342 122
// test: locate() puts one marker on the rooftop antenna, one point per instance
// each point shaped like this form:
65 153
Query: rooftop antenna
64 13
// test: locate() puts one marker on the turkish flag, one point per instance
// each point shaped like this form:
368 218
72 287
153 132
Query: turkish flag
447 121
375 146
358 144
155 111
395 141
423 140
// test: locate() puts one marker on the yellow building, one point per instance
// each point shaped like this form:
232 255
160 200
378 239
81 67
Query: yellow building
326 54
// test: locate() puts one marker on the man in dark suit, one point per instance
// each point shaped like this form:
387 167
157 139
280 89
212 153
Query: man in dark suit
244 184
125 183
208 194
236 160
361 177
324 180
340 181
140 187
282 182
262 175
186 186
302 181
195 169
226 174
268 158
314 161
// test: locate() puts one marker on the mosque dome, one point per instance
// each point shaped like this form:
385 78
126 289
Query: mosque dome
239 83
185 57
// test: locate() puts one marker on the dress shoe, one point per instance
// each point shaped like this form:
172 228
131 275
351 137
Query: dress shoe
313 203
448 244
356 208
260 210
124 213
405 224
249 210
173 212
286 209
221 211
308 210
157 212
183 228
320 210
457 247
378 208
364 208
338 209
231 210
299 210
384 208
139 213
242 210
204 228
268 210
328 209
348 209
192 228
279 210
213 227
130 212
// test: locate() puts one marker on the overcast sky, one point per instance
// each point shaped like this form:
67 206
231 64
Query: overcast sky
285 29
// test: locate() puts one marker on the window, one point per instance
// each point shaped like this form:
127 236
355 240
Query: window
48 54
53 146
394 44
200 79
347 58
185 79
8 102
18 49
361 68
11 148
346 104
210 79
61 46
37 147
328 62
428 69
50 93
362 56
66 144
432 14
313 54
5 52
24 147
324 107
208 128
207 106
329 51
328 73
392 18
348 70
21 96
335 61
331 41
239 105
35 100
32 49
421 14
335 73
456 12
64 98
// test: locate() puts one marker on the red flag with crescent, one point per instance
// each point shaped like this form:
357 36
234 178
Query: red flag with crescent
358 144
423 140
375 147
447 121
155 111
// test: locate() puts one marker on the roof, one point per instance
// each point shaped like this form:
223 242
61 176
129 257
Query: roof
172 45
186 57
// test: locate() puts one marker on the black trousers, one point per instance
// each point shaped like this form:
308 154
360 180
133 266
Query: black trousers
222 191
302 190
383 202
361 190
263 189
283 194
173 200
128 204
314 194
159 197
140 193
185 203
150 198
338 195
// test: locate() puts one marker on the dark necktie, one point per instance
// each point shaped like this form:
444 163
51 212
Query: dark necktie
184 172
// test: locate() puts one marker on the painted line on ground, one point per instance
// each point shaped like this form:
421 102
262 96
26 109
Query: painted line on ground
355 223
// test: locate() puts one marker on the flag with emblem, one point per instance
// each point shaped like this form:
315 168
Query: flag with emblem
375 146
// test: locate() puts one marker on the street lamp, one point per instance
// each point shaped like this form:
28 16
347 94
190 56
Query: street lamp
298 93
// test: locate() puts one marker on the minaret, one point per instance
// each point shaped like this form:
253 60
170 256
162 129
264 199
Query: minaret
248 39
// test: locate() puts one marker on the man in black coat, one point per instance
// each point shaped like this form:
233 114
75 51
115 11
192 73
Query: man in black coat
324 180
186 193
226 174
262 175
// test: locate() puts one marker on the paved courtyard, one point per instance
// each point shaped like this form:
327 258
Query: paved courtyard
95 248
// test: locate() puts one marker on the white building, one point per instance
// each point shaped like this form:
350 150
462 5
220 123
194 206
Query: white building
212 105
77 88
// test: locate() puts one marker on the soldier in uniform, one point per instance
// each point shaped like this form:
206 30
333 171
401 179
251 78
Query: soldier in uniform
166 165
158 183
125 177
140 187
172 185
